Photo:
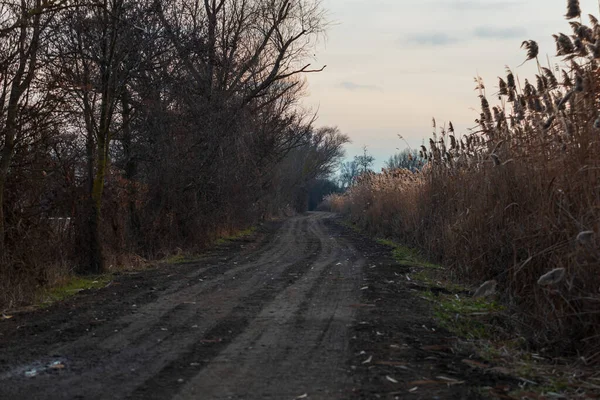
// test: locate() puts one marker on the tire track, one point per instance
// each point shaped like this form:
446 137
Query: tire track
223 333
161 344
298 343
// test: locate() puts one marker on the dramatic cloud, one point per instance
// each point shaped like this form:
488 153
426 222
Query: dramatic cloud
356 87
432 39
488 32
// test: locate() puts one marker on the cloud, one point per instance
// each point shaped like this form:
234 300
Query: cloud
356 87
488 32
440 39
432 39
473 5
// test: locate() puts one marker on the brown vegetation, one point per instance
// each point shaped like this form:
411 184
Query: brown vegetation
516 200
131 128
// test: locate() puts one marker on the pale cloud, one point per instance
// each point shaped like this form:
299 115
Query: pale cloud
358 87
490 32
431 39
439 39
477 5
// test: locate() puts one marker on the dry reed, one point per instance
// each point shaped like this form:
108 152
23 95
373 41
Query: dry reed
516 200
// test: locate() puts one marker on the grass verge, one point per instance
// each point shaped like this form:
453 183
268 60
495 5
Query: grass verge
466 317
72 287
185 258
236 236
407 256
483 328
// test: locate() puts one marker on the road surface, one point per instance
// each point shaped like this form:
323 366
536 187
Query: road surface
305 309
272 323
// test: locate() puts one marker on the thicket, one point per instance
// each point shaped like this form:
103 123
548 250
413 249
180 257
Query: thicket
131 128
514 199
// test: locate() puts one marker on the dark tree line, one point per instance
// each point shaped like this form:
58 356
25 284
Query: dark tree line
139 126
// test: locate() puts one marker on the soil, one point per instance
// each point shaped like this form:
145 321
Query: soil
305 308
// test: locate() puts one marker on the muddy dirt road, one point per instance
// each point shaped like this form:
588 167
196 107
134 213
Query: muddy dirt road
282 315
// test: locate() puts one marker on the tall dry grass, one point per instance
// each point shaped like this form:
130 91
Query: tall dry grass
515 198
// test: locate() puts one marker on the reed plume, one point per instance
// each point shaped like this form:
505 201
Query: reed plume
573 9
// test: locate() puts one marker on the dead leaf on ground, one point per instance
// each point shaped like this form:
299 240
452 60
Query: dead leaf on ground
57 365
32 373
450 381
362 305
486 289
211 340
426 382
391 363
528 381
553 277
503 388
500 370
497 395
476 364
521 395
437 347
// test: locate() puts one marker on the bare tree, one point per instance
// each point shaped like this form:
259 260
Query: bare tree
98 51
316 159
243 47
364 161
155 124
408 159
349 171
22 28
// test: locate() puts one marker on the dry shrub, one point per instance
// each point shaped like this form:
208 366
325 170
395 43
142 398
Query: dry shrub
514 199
39 257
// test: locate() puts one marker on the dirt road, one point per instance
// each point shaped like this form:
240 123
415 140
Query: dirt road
281 316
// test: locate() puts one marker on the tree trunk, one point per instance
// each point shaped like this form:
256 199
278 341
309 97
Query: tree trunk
130 166
91 261
108 67
8 150
2 233
96 255
5 160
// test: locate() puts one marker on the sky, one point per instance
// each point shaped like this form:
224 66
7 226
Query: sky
393 65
